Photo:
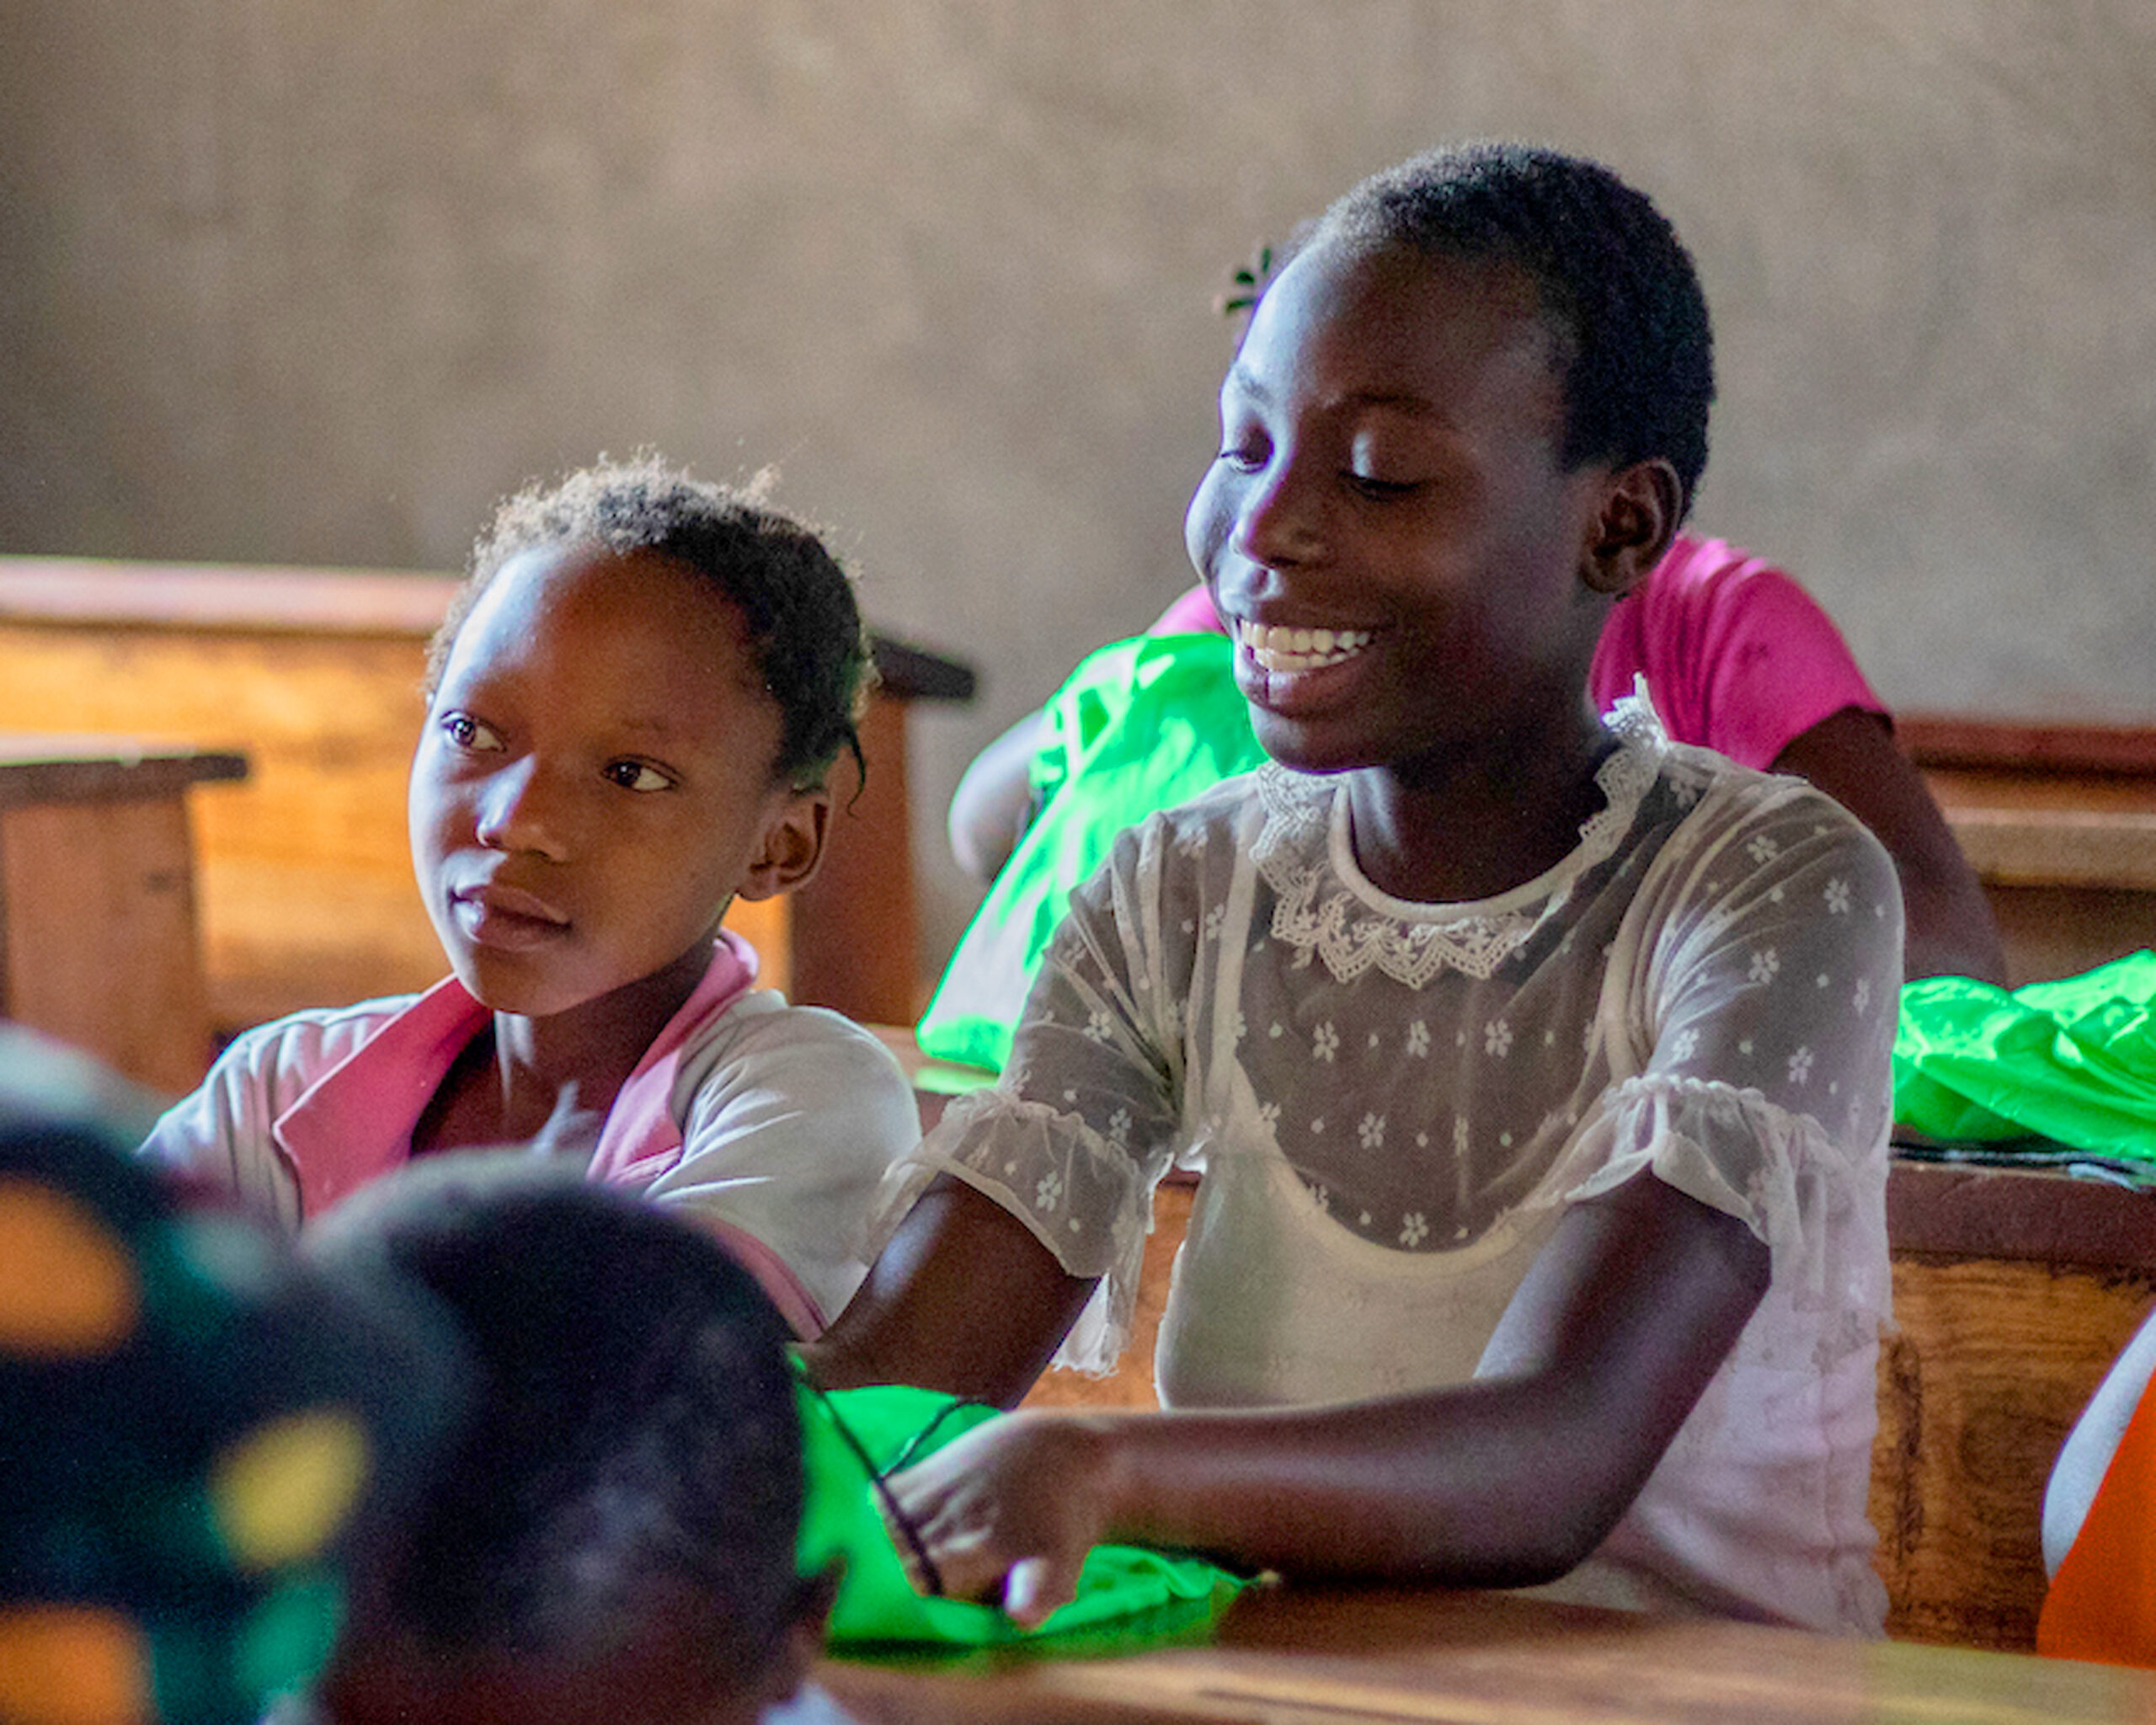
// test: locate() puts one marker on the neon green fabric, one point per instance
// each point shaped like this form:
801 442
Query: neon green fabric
1140 725
1127 1597
2073 1060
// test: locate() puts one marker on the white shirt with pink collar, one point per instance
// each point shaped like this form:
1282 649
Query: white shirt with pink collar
771 1124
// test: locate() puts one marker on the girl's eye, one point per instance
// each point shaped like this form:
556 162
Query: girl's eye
1245 445
1370 486
466 732
639 775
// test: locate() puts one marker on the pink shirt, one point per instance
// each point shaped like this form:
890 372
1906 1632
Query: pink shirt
1738 658
354 1123
770 1125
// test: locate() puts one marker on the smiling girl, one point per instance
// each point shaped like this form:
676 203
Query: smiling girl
1537 1067
632 710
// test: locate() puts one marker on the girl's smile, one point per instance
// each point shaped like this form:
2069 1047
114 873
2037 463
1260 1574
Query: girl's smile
1280 649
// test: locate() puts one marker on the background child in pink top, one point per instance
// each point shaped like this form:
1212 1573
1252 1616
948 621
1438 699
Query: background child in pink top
1739 659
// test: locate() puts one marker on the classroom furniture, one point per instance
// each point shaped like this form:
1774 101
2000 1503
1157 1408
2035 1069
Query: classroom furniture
2059 822
100 944
1333 1656
305 875
2013 1293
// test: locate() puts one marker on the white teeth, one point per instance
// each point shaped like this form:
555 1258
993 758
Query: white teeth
1277 649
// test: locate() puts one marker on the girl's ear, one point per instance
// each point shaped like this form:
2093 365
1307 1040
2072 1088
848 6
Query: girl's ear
1631 533
792 845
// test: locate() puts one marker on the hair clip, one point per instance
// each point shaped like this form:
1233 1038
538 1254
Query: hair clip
1246 284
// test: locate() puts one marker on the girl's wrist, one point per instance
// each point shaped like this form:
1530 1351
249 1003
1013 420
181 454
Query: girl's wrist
1111 1455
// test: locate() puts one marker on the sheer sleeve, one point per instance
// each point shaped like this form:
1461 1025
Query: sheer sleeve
1089 1112
1760 973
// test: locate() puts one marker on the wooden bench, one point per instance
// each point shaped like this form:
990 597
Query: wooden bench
100 944
305 875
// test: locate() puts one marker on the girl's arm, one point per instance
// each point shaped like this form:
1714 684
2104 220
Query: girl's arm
1853 757
1510 1480
993 803
963 1298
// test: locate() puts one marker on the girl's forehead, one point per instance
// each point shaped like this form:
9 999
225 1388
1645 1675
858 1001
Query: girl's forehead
1398 313
590 587
588 605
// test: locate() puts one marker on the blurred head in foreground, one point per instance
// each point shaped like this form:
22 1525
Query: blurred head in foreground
199 1439
614 1538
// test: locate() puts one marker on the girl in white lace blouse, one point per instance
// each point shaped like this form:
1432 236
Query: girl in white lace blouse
1537 1070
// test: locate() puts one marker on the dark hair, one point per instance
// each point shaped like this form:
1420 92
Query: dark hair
635 1438
805 626
1612 273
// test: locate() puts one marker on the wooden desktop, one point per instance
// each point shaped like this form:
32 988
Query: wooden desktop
1330 1656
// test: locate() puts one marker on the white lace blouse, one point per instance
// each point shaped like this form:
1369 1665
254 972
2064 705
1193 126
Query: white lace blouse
1391 1102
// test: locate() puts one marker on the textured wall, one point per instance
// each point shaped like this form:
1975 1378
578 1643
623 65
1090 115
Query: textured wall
301 281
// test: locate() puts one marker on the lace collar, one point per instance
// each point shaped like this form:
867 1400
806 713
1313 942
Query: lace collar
1326 907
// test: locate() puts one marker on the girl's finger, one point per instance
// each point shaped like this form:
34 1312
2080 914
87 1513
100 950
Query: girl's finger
1035 1587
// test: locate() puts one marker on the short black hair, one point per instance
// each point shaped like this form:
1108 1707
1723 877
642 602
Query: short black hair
1611 272
636 1438
805 625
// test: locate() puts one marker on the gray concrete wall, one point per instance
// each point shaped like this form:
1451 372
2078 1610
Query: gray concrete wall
314 280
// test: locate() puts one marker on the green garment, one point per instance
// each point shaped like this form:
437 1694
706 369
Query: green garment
1141 725
2074 1061
1127 1597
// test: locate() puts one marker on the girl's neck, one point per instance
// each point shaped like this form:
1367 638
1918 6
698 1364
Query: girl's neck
596 1046
556 1076
1465 825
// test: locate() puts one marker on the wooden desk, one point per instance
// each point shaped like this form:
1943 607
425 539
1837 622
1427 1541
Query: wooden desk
2059 822
2013 1293
99 942
306 875
1287 1657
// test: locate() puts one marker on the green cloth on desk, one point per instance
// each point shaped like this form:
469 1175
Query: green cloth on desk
1127 1597
1140 725
2072 1061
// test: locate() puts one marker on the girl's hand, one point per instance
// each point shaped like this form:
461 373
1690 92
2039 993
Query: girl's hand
1008 1512
570 1130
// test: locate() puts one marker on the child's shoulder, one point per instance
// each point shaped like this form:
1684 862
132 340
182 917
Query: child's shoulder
306 1043
1227 805
1697 801
763 1038
1768 816
1194 838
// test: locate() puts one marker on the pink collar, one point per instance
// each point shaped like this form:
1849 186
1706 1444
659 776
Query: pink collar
354 1123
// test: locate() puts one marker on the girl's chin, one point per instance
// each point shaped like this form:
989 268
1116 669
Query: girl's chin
1304 748
513 989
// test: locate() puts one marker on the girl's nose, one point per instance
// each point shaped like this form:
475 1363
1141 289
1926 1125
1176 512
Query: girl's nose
1281 518
518 810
